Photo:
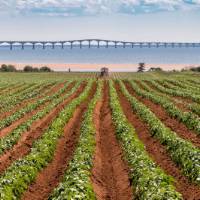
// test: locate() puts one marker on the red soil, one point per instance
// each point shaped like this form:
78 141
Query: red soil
10 89
51 175
183 101
172 123
24 103
110 173
5 131
23 146
158 152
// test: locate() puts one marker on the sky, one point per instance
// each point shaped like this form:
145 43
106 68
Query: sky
130 20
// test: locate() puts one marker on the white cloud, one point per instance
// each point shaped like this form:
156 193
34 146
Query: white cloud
93 7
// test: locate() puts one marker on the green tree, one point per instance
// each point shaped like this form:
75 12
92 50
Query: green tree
28 68
8 68
141 67
45 69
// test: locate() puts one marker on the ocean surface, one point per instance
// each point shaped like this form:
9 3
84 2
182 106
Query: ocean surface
87 59
101 55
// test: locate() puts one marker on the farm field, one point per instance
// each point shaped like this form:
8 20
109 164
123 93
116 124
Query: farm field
76 136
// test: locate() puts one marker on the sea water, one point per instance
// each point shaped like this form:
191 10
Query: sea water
94 55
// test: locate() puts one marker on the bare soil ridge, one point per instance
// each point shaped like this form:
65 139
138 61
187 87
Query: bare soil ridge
110 173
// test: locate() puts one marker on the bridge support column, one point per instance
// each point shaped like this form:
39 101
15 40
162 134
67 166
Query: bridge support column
80 44
106 44
115 44
124 44
89 43
11 46
53 46
62 45
43 45
71 45
33 45
22 46
98 44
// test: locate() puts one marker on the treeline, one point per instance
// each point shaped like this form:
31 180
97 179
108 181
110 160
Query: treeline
195 69
12 68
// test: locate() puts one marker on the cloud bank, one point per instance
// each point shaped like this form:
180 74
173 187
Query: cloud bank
93 7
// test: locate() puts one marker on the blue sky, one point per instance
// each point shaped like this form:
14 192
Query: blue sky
134 20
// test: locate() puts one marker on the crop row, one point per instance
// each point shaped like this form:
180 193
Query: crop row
4 86
149 181
184 85
188 118
194 107
25 88
30 107
172 86
24 171
76 183
172 92
8 141
12 89
181 151
41 93
31 92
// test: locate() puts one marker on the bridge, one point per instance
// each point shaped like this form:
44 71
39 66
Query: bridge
94 43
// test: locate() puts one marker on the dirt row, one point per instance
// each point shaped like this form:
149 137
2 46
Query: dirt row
25 102
157 151
110 172
24 145
172 123
51 175
5 131
180 102
12 90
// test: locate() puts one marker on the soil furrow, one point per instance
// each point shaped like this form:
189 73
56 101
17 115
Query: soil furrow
158 152
179 102
172 123
110 172
51 175
5 131
24 103
184 99
23 146
11 90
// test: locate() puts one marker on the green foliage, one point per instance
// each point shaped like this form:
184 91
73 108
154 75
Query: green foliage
173 92
188 118
9 140
141 67
7 102
35 69
7 68
149 181
76 183
195 69
21 173
45 69
181 151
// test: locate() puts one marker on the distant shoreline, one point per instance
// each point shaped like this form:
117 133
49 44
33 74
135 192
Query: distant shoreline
96 67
